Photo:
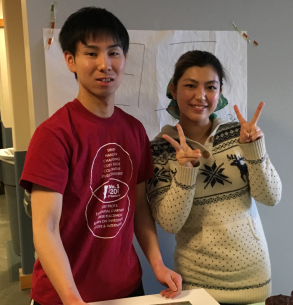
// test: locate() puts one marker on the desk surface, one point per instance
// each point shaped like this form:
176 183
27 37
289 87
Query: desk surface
195 297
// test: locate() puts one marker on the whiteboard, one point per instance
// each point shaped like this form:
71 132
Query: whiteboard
150 66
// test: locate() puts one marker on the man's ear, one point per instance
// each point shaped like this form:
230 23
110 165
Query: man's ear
173 91
70 61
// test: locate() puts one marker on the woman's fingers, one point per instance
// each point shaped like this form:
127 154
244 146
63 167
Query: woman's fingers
181 135
256 136
244 136
173 142
184 154
184 158
257 113
192 154
239 115
253 135
255 117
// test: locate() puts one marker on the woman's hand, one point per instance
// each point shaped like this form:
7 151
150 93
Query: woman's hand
184 154
249 132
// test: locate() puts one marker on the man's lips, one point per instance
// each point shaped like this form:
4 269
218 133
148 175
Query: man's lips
105 79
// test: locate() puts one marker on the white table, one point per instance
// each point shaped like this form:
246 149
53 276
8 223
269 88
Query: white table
194 296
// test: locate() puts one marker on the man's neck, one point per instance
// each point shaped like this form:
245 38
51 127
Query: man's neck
103 108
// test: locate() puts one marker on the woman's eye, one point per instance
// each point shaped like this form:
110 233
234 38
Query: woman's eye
190 85
212 88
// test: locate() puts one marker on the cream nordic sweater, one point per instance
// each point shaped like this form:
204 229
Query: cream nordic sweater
221 245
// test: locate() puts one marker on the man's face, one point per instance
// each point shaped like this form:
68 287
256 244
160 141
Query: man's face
99 65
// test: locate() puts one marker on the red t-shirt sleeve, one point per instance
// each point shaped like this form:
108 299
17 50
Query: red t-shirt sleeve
145 170
46 161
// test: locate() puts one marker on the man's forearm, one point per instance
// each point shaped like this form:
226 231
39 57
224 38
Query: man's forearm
55 263
146 234
145 229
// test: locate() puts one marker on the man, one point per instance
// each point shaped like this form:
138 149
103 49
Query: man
86 168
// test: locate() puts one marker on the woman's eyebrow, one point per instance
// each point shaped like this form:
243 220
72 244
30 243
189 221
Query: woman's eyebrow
195 81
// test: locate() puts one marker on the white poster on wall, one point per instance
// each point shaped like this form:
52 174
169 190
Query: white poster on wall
150 65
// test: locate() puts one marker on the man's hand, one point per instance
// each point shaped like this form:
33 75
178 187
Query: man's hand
170 279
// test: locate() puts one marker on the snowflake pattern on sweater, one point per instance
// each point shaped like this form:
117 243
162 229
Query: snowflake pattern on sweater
221 245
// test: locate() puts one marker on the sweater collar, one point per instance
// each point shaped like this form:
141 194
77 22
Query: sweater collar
170 131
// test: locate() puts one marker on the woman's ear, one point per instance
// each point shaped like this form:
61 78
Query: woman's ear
173 91
70 61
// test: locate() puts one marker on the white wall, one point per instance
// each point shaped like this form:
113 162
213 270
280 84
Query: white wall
5 100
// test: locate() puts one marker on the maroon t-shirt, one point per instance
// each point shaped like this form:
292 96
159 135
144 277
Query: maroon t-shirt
96 164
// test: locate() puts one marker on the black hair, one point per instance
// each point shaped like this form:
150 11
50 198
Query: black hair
199 59
89 23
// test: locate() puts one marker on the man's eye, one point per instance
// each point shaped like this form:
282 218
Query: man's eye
91 54
114 53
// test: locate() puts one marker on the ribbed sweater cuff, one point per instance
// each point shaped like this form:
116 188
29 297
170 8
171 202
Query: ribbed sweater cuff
254 150
186 175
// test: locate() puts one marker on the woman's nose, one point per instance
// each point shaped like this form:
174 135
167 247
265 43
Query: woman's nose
200 94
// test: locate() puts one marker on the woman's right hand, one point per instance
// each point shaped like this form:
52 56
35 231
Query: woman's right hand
184 154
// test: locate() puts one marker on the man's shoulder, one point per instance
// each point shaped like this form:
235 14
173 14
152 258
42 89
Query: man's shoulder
128 118
58 120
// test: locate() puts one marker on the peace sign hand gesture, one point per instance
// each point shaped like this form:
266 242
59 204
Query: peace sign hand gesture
249 132
184 154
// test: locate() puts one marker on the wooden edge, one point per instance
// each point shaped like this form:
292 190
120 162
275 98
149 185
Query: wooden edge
25 280
1 23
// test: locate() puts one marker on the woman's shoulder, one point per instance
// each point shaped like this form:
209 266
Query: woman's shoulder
227 128
162 150
226 135
168 130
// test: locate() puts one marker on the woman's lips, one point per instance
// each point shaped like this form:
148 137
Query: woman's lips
198 108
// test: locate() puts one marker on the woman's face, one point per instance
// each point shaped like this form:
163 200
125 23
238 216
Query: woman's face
197 94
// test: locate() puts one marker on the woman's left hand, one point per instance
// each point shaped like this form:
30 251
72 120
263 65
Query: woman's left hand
249 132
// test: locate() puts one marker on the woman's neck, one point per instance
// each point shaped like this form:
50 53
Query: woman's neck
197 131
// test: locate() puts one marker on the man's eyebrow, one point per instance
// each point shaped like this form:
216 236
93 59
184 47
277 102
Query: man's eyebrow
94 47
195 81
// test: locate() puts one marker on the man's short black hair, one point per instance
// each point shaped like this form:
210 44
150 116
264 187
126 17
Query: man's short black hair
89 23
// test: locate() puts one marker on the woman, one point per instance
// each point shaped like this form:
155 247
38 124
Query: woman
206 173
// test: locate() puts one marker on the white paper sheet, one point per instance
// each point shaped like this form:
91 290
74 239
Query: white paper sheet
150 65
195 297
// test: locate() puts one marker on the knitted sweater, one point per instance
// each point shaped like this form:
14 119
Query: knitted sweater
220 243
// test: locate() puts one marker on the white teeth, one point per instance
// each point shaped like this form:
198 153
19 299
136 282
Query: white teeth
106 80
199 107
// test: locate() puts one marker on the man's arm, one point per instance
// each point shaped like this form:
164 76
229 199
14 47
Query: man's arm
145 232
46 213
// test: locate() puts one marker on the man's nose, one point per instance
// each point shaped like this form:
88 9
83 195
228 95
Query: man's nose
104 63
